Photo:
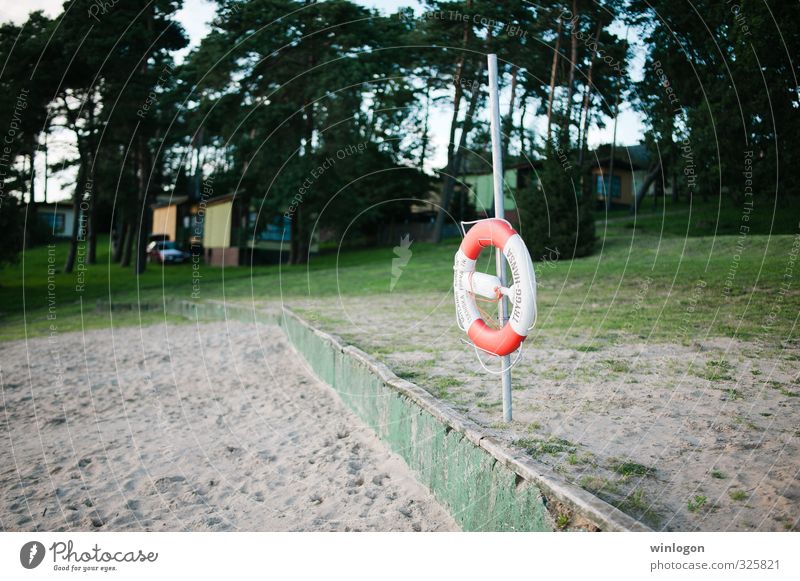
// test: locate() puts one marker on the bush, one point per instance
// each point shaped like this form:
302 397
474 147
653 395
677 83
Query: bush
555 219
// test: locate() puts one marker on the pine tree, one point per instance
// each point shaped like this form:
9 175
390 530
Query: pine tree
555 219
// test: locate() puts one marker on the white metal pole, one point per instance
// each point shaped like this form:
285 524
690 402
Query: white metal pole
499 212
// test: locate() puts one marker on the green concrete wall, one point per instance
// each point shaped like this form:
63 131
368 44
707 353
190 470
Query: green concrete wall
484 485
480 493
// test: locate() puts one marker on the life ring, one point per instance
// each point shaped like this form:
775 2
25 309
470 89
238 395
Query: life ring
467 283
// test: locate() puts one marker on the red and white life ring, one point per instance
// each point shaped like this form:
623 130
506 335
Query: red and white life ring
467 283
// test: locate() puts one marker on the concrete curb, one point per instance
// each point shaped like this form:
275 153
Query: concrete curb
485 484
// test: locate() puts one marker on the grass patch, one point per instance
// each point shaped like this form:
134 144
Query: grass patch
696 503
737 495
552 446
733 394
410 375
632 469
554 374
588 348
617 365
636 504
599 485
714 370
441 384
677 247
438 385
719 475
746 423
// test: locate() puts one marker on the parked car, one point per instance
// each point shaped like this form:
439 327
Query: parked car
166 252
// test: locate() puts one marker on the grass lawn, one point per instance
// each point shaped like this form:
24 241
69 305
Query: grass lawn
674 273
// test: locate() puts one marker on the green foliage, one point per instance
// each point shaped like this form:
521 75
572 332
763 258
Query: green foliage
556 221
310 114
696 503
737 495
732 82
632 469
552 445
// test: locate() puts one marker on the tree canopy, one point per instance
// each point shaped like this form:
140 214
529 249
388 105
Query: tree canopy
321 111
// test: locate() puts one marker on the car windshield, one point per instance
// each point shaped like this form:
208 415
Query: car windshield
167 246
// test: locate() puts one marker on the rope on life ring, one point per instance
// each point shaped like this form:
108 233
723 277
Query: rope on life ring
467 283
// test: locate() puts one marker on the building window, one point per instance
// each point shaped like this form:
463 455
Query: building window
616 186
55 221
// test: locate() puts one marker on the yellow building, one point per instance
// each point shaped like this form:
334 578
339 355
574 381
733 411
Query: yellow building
172 219
481 187
165 221
220 222
620 182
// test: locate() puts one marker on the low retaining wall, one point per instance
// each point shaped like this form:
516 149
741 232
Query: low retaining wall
485 484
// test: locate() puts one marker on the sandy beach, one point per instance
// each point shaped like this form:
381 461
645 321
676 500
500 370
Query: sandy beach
195 427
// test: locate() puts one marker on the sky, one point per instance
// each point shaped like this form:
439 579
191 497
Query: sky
195 17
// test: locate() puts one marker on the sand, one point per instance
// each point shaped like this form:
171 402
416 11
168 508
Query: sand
701 435
195 427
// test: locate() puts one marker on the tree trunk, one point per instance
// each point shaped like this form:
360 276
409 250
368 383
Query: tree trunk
142 174
91 257
44 188
553 70
141 246
197 143
293 245
302 242
31 201
299 247
675 194
654 172
459 90
119 242
587 97
127 245
523 146
508 125
609 186
144 168
32 197
455 169
573 56
77 198
449 182
425 136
